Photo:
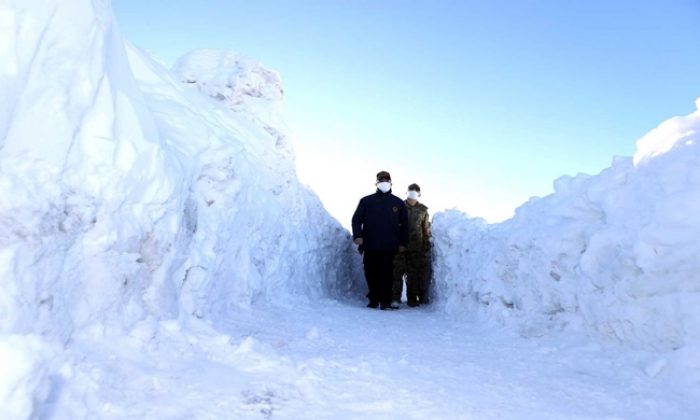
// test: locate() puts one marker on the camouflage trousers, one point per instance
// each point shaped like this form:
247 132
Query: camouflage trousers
416 267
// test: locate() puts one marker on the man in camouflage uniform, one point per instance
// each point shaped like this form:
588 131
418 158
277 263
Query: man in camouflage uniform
415 261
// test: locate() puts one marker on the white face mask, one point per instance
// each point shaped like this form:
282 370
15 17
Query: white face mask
384 186
413 195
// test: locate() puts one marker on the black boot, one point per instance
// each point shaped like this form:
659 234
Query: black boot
386 307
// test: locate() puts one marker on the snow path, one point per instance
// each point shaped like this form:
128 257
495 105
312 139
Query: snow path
335 360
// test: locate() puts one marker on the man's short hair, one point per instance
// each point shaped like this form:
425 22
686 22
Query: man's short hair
414 187
383 176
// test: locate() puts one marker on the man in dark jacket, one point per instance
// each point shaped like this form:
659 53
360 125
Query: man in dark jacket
380 229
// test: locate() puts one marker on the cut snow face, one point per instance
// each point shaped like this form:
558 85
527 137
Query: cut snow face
614 254
128 194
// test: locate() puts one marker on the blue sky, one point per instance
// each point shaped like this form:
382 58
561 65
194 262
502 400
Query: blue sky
483 104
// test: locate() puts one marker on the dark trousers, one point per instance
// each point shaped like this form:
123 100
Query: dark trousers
379 270
416 267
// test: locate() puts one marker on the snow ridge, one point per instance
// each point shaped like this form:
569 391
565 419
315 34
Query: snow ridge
128 197
613 254
136 194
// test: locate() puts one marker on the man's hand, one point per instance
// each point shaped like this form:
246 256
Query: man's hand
358 241
402 249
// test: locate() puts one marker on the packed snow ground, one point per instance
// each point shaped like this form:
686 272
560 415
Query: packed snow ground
344 361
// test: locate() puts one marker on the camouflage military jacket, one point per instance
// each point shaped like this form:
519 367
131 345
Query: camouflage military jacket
418 228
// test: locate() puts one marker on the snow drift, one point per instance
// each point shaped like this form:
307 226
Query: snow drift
615 254
127 195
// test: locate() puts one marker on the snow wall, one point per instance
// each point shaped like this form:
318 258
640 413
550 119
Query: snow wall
126 193
615 254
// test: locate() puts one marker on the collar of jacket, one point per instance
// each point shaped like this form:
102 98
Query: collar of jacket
417 205
383 193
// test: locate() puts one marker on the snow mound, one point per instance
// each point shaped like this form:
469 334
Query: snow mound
127 195
676 132
615 254
25 369
242 84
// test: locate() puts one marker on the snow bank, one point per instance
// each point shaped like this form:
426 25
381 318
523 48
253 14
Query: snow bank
615 254
126 194
243 85
24 375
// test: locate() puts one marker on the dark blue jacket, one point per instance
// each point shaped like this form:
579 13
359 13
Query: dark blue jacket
381 220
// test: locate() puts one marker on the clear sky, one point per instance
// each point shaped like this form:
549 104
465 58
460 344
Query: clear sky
482 103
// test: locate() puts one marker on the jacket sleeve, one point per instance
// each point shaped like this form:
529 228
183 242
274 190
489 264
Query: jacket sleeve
403 221
358 219
425 225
